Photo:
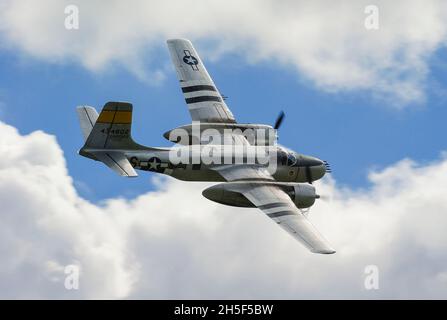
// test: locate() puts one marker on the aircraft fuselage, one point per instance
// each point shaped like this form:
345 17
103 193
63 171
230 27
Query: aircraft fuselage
284 165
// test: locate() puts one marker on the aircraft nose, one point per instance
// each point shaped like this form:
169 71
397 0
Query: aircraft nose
316 167
318 171
307 161
318 162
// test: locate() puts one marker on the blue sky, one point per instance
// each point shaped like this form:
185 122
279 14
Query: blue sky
353 130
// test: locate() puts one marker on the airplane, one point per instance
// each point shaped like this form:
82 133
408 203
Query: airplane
253 169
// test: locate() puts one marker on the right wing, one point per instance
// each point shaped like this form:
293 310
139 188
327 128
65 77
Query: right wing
262 191
204 101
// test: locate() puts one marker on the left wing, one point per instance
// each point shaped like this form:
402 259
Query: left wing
204 101
276 204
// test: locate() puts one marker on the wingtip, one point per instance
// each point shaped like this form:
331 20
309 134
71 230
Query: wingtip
325 251
177 40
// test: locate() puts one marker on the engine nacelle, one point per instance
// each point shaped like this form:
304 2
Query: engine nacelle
303 195
225 193
231 193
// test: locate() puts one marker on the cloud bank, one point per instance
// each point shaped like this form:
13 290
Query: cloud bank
173 243
325 42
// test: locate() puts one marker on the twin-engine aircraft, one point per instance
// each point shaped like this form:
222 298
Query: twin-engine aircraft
255 171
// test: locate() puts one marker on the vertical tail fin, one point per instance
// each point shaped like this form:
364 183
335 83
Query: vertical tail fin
108 136
112 128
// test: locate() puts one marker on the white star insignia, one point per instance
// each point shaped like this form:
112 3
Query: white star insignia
153 164
190 60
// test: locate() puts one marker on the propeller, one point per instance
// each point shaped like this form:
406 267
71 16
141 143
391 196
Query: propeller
279 120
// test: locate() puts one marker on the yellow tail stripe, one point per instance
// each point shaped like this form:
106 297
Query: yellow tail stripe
124 117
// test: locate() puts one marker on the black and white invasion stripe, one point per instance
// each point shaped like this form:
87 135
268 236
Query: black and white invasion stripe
201 93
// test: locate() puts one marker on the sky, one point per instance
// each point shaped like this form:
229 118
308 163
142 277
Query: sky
370 102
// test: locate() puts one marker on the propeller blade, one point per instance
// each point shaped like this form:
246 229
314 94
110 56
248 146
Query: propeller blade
279 120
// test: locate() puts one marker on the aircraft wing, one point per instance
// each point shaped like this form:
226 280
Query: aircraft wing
277 205
204 101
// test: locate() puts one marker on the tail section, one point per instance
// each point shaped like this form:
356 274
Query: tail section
108 136
87 119
112 129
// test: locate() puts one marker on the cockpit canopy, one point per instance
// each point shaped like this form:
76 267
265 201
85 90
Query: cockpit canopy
291 159
287 157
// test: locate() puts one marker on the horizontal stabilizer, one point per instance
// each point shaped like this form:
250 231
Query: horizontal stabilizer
116 161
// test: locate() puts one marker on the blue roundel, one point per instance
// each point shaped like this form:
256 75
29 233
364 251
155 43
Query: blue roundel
191 60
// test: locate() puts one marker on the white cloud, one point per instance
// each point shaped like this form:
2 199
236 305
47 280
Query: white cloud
324 41
173 243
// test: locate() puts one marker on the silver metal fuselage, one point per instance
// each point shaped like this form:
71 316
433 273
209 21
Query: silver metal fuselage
285 165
